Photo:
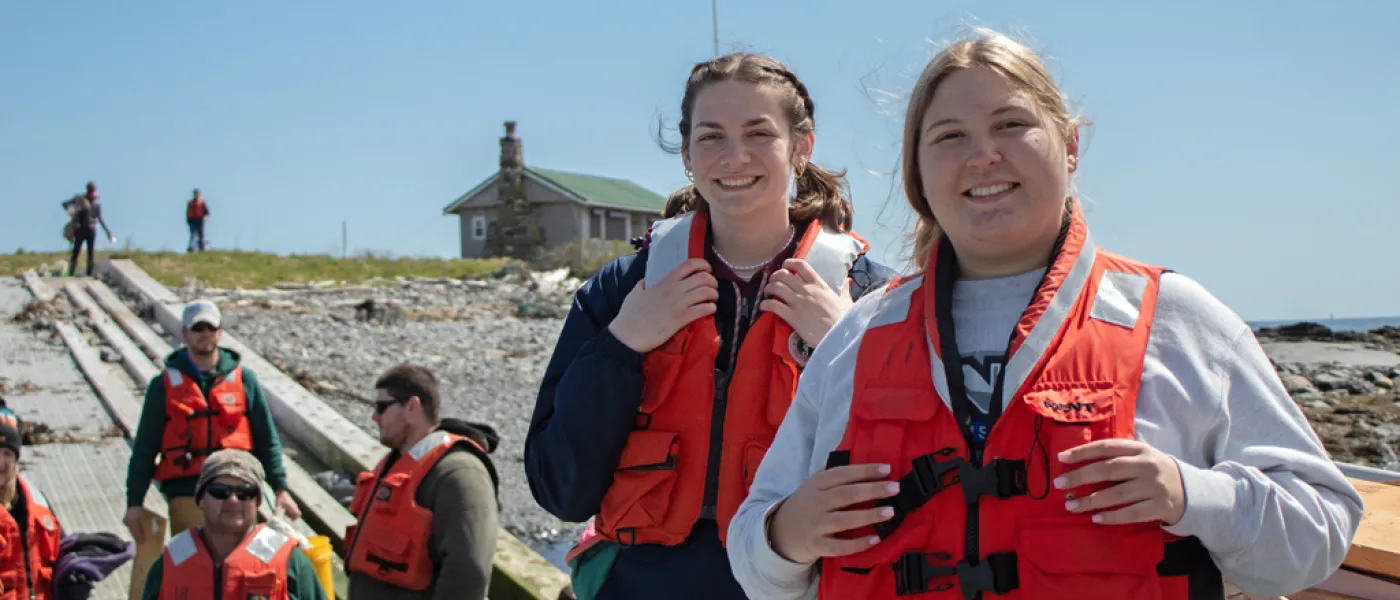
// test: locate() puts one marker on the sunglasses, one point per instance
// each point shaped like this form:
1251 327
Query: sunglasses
222 491
203 328
382 405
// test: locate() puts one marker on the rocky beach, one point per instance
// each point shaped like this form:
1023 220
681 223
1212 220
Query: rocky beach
489 340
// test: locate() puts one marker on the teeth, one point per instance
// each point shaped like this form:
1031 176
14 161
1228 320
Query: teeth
738 182
990 190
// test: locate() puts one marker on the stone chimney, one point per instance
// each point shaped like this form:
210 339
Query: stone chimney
516 232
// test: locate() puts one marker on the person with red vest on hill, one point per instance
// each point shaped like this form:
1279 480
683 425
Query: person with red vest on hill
1032 416
231 555
676 364
426 518
30 534
196 211
204 400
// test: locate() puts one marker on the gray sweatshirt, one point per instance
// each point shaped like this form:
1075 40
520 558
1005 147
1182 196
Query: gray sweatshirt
1261 494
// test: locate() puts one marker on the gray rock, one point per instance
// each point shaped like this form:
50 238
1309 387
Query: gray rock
1381 381
1297 384
1328 381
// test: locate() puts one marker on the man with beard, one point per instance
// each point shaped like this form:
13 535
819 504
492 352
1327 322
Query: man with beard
204 401
232 555
426 518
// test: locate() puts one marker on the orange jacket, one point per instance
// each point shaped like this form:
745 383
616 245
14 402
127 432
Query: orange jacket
195 210
389 541
257 568
659 488
998 526
196 428
21 564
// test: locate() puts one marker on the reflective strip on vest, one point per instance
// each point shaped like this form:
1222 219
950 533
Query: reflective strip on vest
174 376
830 256
266 543
181 548
35 495
426 445
1119 300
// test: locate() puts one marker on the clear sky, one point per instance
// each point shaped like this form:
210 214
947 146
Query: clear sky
1250 145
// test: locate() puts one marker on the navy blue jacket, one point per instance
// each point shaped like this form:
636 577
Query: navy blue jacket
583 416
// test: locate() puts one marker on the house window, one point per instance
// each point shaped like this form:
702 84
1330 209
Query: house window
479 228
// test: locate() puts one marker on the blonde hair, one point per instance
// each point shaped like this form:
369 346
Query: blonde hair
992 50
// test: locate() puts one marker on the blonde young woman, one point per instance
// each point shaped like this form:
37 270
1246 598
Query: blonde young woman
1032 416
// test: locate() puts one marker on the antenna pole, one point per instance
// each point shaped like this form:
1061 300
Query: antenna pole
714 20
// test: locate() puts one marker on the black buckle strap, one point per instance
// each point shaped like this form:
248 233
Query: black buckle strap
386 565
1000 477
996 574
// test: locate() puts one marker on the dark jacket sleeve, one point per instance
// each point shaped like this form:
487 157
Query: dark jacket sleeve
146 445
153 579
588 400
267 446
465 523
302 582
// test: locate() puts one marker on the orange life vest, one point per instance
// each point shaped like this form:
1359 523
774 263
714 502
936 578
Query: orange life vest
389 540
257 568
195 210
968 528
23 566
695 425
196 427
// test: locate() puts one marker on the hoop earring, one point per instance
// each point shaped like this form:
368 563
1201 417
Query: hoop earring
689 175
801 168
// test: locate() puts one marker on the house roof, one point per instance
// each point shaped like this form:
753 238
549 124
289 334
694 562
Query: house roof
591 190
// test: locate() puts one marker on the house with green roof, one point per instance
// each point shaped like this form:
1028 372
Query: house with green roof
567 207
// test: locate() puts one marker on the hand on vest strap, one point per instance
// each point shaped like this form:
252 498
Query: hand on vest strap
1000 478
996 574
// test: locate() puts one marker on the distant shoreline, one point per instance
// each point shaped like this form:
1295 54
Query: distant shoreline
1356 324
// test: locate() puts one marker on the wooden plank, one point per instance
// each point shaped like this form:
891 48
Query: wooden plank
1376 548
140 368
113 393
37 287
150 342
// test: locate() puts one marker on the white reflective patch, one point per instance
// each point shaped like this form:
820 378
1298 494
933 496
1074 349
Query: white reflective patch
181 548
35 495
175 378
831 256
266 544
670 246
1119 300
940 377
894 304
426 445
1027 356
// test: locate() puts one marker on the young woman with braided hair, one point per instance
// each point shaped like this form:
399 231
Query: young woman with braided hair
677 363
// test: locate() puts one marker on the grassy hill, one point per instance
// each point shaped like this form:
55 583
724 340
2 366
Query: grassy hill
253 270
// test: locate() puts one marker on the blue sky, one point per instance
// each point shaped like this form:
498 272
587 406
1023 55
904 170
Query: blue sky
1250 145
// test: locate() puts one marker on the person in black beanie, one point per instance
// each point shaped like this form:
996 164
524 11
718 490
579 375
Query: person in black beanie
27 526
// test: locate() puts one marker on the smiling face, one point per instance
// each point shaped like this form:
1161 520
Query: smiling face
995 172
741 148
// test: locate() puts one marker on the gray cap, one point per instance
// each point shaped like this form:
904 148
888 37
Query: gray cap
201 311
231 463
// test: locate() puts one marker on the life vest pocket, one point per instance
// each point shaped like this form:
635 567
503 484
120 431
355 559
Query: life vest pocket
753 458
645 477
1065 558
389 494
662 369
260 585
886 413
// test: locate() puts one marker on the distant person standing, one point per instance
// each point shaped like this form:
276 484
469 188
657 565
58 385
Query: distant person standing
196 211
86 211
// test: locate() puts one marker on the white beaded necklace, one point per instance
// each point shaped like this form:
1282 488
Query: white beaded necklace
791 232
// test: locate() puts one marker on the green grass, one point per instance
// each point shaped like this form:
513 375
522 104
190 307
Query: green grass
252 270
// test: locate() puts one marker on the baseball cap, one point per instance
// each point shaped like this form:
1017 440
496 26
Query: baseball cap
201 311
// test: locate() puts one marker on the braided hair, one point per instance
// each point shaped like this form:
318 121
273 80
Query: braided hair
821 194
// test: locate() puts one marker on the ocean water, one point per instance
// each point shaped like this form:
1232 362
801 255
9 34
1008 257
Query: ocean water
1360 324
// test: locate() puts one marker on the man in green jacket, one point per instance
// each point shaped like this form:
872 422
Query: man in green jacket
193 374
232 546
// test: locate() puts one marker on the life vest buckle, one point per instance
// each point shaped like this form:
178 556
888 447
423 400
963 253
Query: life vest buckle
996 574
918 485
1000 477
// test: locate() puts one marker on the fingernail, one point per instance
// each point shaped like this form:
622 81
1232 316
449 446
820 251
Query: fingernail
1060 482
892 487
1063 456
887 512
883 469
872 540
1072 505
1098 518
